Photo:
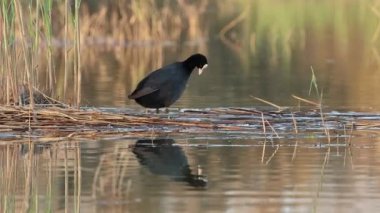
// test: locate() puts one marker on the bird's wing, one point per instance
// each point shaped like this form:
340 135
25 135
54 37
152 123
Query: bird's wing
142 92
153 81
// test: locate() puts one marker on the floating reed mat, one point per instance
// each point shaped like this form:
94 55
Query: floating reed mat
54 123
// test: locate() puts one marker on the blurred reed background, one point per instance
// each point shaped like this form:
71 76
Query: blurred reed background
49 45
77 51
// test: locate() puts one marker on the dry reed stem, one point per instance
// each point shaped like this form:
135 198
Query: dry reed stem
278 145
263 152
273 130
273 154
19 12
279 108
263 124
327 131
350 137
294 123
345 141
307 101
296 132
265 142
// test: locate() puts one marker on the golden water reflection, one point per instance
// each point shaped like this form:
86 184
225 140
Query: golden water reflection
242 175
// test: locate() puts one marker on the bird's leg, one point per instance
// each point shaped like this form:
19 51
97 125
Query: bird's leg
167 112
157 110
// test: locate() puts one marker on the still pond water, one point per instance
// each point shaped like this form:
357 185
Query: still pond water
220 173
193 175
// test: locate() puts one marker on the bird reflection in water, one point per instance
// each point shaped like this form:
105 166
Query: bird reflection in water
161 157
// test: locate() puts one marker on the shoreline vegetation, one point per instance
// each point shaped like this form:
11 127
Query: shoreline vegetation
35 33
49 45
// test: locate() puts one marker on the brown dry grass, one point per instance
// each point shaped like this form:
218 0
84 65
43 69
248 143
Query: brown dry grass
55 124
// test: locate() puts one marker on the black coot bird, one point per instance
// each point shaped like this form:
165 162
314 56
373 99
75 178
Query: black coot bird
162 87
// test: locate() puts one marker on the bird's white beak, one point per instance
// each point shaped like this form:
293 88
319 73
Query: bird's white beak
200 70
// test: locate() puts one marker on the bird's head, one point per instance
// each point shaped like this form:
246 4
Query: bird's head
197 61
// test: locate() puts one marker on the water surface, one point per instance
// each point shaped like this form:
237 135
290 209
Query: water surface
167 174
